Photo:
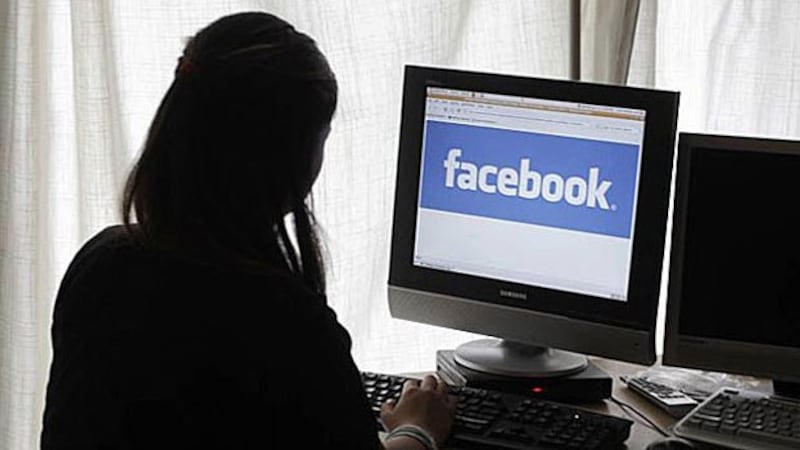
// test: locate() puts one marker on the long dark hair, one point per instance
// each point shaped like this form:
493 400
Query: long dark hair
234 147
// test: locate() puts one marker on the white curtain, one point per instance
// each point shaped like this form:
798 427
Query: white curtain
736 64
80 81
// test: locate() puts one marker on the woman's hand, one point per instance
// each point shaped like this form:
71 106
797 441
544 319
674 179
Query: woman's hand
425 404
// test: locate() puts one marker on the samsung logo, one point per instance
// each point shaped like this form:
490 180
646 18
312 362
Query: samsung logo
512 294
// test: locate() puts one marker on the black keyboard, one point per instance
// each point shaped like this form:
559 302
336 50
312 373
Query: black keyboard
744 420
498 420
671 400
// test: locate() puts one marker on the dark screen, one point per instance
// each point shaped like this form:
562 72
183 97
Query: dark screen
741 273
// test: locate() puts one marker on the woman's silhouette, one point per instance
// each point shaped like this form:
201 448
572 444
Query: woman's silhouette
203 324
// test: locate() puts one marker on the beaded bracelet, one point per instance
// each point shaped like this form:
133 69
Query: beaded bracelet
414 432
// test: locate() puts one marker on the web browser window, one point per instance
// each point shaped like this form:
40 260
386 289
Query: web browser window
531 191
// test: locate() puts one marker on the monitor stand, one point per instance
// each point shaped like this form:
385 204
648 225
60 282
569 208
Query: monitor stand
514 359
523 369
588 385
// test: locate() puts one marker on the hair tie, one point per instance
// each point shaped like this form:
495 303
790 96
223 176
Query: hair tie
185 66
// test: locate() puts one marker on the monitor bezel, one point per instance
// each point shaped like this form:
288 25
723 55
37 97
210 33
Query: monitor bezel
639 311
702 352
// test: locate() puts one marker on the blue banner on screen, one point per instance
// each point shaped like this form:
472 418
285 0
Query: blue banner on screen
564 182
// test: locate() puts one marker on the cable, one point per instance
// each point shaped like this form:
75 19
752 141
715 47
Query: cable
625 407
649 423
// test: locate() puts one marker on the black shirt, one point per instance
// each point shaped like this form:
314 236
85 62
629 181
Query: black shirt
152 350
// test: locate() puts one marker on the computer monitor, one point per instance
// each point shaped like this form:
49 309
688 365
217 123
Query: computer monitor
534 211
733 302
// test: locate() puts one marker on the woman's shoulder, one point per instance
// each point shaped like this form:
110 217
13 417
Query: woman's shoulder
114 272
111 237
117 255
119 248
96 252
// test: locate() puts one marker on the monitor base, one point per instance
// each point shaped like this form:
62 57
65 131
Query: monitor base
514 359
588 385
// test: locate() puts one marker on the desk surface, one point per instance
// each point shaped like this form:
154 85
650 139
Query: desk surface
641 433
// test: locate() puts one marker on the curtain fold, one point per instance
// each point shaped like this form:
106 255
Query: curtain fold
607 34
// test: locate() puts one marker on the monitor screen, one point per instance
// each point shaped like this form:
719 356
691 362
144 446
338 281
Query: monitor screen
544 191
532 210
735 277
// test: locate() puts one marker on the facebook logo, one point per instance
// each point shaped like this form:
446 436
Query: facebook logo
526 183
565 182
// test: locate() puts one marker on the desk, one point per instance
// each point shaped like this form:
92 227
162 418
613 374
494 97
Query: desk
641 434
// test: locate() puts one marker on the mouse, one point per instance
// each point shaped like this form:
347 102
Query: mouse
671 443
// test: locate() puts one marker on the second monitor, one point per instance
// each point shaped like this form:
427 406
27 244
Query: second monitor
534 211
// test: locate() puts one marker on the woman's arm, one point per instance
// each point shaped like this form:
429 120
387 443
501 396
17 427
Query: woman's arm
403 443
424 413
